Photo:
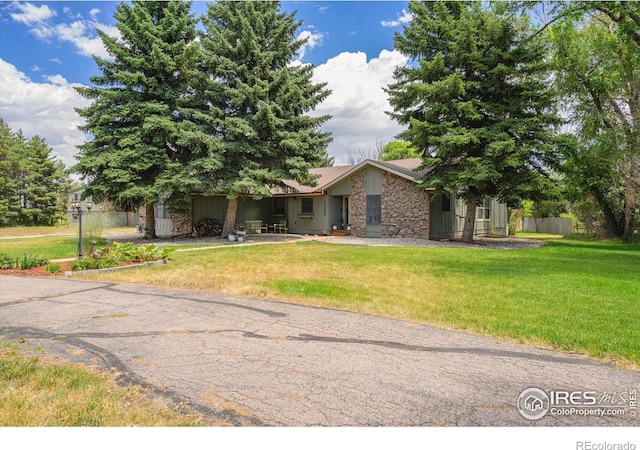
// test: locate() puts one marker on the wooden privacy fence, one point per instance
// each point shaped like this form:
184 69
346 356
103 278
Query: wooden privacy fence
554 225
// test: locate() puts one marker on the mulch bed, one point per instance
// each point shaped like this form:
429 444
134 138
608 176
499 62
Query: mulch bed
39 271
42 270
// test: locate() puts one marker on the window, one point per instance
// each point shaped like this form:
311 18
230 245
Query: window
307 205
161 211
374 209
483 211
278 206
446 203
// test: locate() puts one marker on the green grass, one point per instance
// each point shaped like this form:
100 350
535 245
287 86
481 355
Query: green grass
58 247
50 247
580 296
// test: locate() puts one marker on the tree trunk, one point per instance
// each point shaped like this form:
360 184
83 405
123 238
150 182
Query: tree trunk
150 221
469 219
630 201
612 225
230 217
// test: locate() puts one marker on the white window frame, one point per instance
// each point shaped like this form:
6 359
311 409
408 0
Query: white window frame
483 212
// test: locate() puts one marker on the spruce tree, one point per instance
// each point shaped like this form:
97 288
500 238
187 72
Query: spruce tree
10 173
33 183
259 103
143 117
476 102
45 185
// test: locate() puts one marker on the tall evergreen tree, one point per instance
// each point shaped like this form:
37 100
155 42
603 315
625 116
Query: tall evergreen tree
45 185
258 103
10 172
33 183
476 102
143 118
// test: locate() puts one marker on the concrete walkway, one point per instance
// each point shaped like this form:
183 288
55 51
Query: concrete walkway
255 362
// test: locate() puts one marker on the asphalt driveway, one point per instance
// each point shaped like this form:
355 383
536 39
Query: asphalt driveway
256 362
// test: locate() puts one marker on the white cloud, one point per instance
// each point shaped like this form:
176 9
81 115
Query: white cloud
313 40
404 18
358 102
94 14
81 32
30 14
43 109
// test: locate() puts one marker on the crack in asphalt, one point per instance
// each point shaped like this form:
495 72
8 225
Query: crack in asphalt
127 378
327 339
180 296
56 295
422 348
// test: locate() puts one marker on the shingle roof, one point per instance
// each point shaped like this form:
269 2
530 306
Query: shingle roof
407 166
326 176
329 175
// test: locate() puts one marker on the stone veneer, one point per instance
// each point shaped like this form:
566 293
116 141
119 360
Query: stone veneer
358 211
405 209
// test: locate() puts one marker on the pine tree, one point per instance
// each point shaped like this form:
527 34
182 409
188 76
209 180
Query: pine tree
10 171
259 103
33 183
476 103
144 116
45 185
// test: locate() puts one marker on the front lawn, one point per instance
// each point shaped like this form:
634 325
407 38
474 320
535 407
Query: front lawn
573 295
50 247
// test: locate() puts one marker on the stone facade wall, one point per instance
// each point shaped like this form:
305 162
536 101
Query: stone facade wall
405 210
358 204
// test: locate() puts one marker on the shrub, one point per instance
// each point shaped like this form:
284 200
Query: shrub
6 261
29 262
120 252
149 253
123 251
53 268
93 263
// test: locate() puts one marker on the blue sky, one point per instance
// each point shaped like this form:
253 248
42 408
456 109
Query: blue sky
46 48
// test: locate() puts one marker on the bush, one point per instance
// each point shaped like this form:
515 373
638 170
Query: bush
6 261
29 262
120 252
208 227
53 268
92 264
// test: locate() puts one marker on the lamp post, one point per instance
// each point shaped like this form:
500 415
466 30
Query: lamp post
78 207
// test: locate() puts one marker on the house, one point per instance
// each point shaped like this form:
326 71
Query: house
372 198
